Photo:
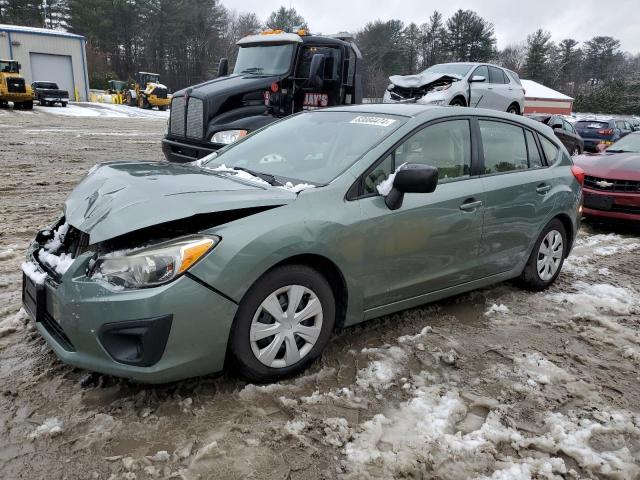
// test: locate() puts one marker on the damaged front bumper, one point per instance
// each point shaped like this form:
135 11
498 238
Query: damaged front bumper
152 335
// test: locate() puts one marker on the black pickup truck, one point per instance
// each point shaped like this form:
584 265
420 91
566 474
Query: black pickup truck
48 93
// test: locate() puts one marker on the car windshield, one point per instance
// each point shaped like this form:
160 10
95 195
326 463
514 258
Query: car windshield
264 59
460 69
8 67
313 147
630 143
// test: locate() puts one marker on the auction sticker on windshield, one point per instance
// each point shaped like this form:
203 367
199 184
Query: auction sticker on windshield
377 121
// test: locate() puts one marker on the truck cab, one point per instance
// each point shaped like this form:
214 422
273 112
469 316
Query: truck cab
276 74
13 87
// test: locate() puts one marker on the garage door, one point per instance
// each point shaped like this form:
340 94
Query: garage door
53 68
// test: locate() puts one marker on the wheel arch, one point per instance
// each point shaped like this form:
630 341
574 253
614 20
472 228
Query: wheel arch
330 271
517 105
569 230
460 97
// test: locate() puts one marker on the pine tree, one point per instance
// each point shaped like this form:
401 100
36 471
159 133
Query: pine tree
470 38
539 47
287 19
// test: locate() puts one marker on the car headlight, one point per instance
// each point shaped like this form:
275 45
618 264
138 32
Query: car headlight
440 88
153 265
228 136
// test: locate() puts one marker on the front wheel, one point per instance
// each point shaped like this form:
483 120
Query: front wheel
283 324
514 109
457 102
547 257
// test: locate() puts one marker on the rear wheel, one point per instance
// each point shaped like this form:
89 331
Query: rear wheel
514 109
4 104
283 324
547 257
162 108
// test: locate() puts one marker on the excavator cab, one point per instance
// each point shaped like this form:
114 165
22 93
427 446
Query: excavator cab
148 92
13 87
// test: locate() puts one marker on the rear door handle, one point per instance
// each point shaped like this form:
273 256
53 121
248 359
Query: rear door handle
470 206
542 189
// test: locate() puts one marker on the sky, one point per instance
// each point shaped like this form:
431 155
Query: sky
513 19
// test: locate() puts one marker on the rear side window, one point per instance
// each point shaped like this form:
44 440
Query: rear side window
568 127
550 150
504 147
535 159
496 75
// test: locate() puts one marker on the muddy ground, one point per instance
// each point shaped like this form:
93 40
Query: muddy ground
498 383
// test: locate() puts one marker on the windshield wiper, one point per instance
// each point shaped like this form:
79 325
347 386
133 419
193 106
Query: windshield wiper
252 70
270 179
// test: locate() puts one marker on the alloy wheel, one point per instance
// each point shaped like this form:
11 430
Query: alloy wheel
549 255
286 326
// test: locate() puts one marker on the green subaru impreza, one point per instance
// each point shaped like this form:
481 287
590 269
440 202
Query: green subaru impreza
252 257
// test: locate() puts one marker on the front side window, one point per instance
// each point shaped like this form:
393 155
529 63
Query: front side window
312 147
482 71
445 145
264 59
568 127
331 61
504 147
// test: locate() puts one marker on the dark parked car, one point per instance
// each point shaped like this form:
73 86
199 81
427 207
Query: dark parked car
612 180
564 131
601 132
48 93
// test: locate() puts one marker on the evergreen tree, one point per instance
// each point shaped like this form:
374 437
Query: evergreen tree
434 39
287 19
470 38
539 47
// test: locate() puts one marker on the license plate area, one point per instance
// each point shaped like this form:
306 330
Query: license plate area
33 298
598 202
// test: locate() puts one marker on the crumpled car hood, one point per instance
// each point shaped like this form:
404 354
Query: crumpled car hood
421 79
121 197
618 166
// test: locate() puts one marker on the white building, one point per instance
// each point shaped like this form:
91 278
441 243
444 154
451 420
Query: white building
541 99
48 55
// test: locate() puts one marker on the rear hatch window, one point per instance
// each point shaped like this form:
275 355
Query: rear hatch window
591 128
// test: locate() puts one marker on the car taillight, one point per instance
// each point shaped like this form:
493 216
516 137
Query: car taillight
578 173
606 131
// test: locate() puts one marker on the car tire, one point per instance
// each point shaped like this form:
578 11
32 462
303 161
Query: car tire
255 360
513 109
576 151
546 259
457 102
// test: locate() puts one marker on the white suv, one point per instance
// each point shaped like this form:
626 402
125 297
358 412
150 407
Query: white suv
467 84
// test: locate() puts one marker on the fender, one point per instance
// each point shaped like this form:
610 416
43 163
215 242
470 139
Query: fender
244 123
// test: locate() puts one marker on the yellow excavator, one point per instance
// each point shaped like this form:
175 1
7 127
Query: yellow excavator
148 92
13 88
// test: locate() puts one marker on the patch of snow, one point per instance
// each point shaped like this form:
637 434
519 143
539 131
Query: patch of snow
54 244
296 188
59 263
295 427
386 185
541 370
50 428
497 309
240 174
598 298
8 253
33 272
379 374
161 456
336 432
13 323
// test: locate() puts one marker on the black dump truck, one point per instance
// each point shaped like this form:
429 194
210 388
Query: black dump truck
275 74
48 93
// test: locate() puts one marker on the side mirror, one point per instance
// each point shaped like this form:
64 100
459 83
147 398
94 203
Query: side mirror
411 178
223 67
316 71
477 78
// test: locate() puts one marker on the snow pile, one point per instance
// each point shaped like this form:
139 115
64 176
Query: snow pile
591 300
54 244
296 188
380 374
541 370
336 432
13 323
295 427
8 253
34 273
385 186
50 428
497 309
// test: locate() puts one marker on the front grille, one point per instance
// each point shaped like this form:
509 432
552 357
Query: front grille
160 92
16 85
399 93
54 329
618 186
194 118
178 105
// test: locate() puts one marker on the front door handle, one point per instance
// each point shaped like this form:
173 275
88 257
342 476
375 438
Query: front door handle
542 189
470 206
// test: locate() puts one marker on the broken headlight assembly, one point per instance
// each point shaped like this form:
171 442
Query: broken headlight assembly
152 265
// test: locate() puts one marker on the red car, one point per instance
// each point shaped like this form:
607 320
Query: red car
612 180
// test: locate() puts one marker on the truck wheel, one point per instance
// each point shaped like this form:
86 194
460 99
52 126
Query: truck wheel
283 324
64 104
162 108
28 105
4 104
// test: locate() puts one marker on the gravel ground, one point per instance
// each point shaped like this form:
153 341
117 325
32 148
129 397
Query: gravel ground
497 383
